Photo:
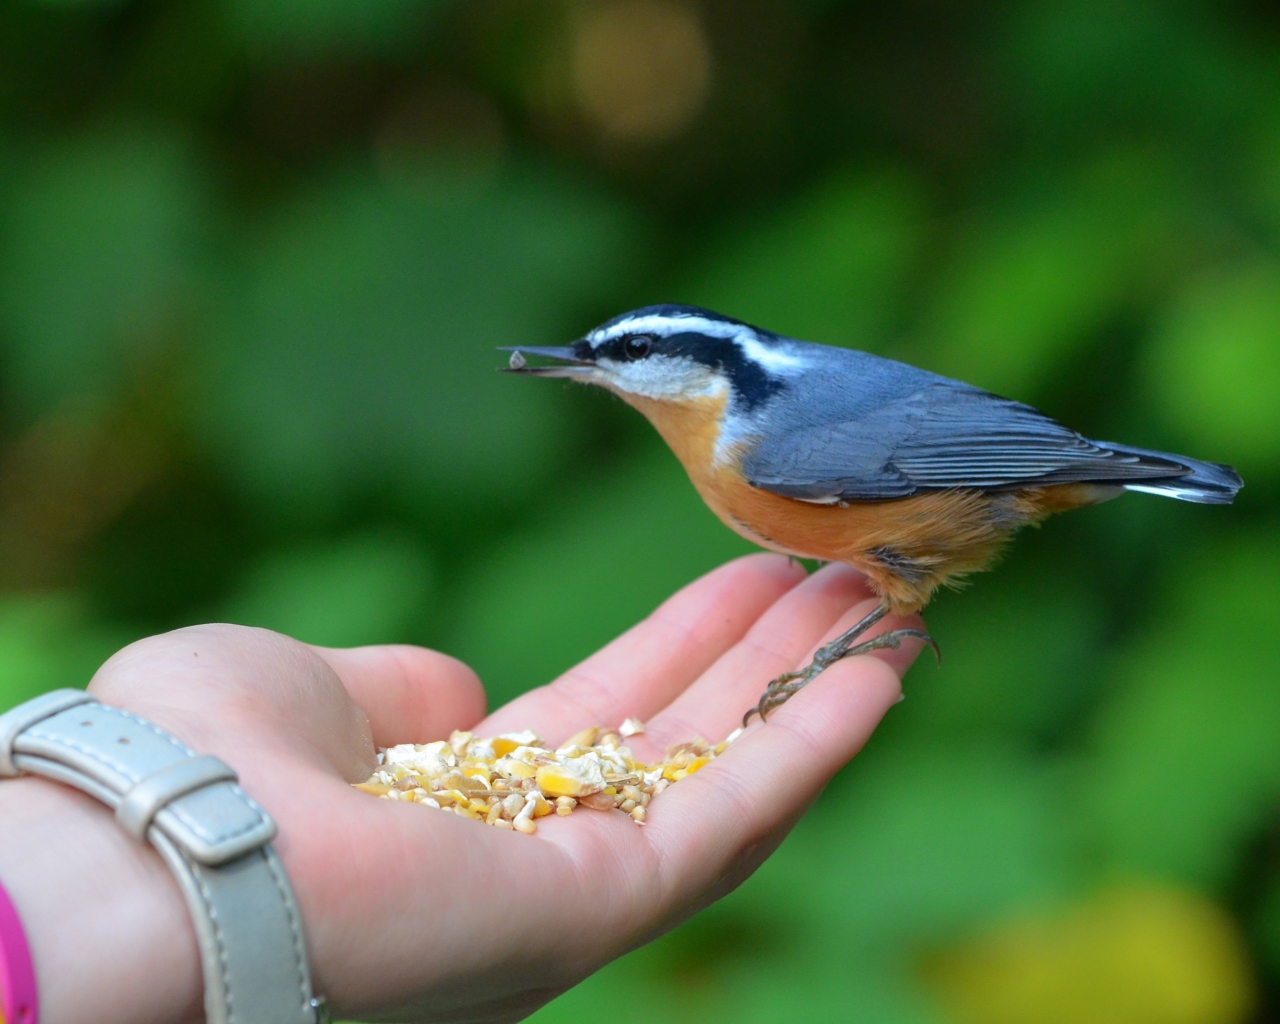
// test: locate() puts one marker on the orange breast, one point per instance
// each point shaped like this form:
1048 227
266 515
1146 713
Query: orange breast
907 547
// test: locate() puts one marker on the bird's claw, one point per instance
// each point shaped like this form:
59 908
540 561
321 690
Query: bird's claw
780 690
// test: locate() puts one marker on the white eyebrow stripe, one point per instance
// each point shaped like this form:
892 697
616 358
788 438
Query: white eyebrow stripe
771 358
665 326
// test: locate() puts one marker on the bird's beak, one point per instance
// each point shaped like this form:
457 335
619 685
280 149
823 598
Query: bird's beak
568 364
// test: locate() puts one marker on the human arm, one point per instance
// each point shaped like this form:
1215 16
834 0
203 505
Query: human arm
412 913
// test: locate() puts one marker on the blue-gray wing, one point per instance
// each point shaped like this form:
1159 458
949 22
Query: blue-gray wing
942 434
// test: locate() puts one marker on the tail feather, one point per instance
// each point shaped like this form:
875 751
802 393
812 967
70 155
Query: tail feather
1208 483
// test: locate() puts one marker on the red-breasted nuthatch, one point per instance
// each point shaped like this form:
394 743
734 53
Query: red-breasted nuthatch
822 452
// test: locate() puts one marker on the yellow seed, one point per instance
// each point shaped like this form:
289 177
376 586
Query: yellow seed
515 769
524 825
508 781
574 778
586 738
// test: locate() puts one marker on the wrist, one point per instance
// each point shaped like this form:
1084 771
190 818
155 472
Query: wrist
108 930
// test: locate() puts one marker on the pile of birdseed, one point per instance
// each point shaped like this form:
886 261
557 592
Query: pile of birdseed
509 780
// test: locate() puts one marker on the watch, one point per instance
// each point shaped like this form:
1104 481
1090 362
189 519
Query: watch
213 837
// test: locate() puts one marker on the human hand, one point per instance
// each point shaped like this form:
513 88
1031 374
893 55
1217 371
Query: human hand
416 914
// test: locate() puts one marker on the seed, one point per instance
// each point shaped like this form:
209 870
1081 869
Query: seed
598 801
576 776
523 822
511 780
458 741
586 738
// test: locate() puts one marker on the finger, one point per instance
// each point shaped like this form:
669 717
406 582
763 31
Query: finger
783 640
411 694
737 808
645 668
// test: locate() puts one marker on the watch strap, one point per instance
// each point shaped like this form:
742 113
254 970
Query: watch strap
214 838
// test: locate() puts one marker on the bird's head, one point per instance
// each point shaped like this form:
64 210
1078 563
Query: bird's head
673 354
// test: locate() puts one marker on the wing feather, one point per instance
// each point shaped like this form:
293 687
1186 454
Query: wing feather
944 434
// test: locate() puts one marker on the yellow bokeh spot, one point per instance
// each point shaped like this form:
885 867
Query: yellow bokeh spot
641 68
1138 954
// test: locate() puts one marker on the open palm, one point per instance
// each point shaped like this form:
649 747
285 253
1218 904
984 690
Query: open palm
416 914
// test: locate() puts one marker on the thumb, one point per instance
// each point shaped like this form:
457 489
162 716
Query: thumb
411 694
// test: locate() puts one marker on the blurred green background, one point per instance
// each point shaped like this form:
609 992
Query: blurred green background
255 256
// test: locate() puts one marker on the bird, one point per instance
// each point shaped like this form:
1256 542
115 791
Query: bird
816 451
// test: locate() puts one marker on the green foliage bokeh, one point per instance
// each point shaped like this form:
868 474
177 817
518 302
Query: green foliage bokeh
255 259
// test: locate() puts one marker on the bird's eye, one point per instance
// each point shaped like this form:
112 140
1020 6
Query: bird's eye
637 346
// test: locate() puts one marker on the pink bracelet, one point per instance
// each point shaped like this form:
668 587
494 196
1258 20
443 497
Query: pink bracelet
17 977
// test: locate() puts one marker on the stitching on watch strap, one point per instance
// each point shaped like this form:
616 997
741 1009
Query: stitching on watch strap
223 967
295 926
119 768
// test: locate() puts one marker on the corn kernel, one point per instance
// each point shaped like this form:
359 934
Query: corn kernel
585 738
696 763
574 777
513 769
510 780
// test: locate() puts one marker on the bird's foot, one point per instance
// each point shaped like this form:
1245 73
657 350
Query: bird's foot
845 645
